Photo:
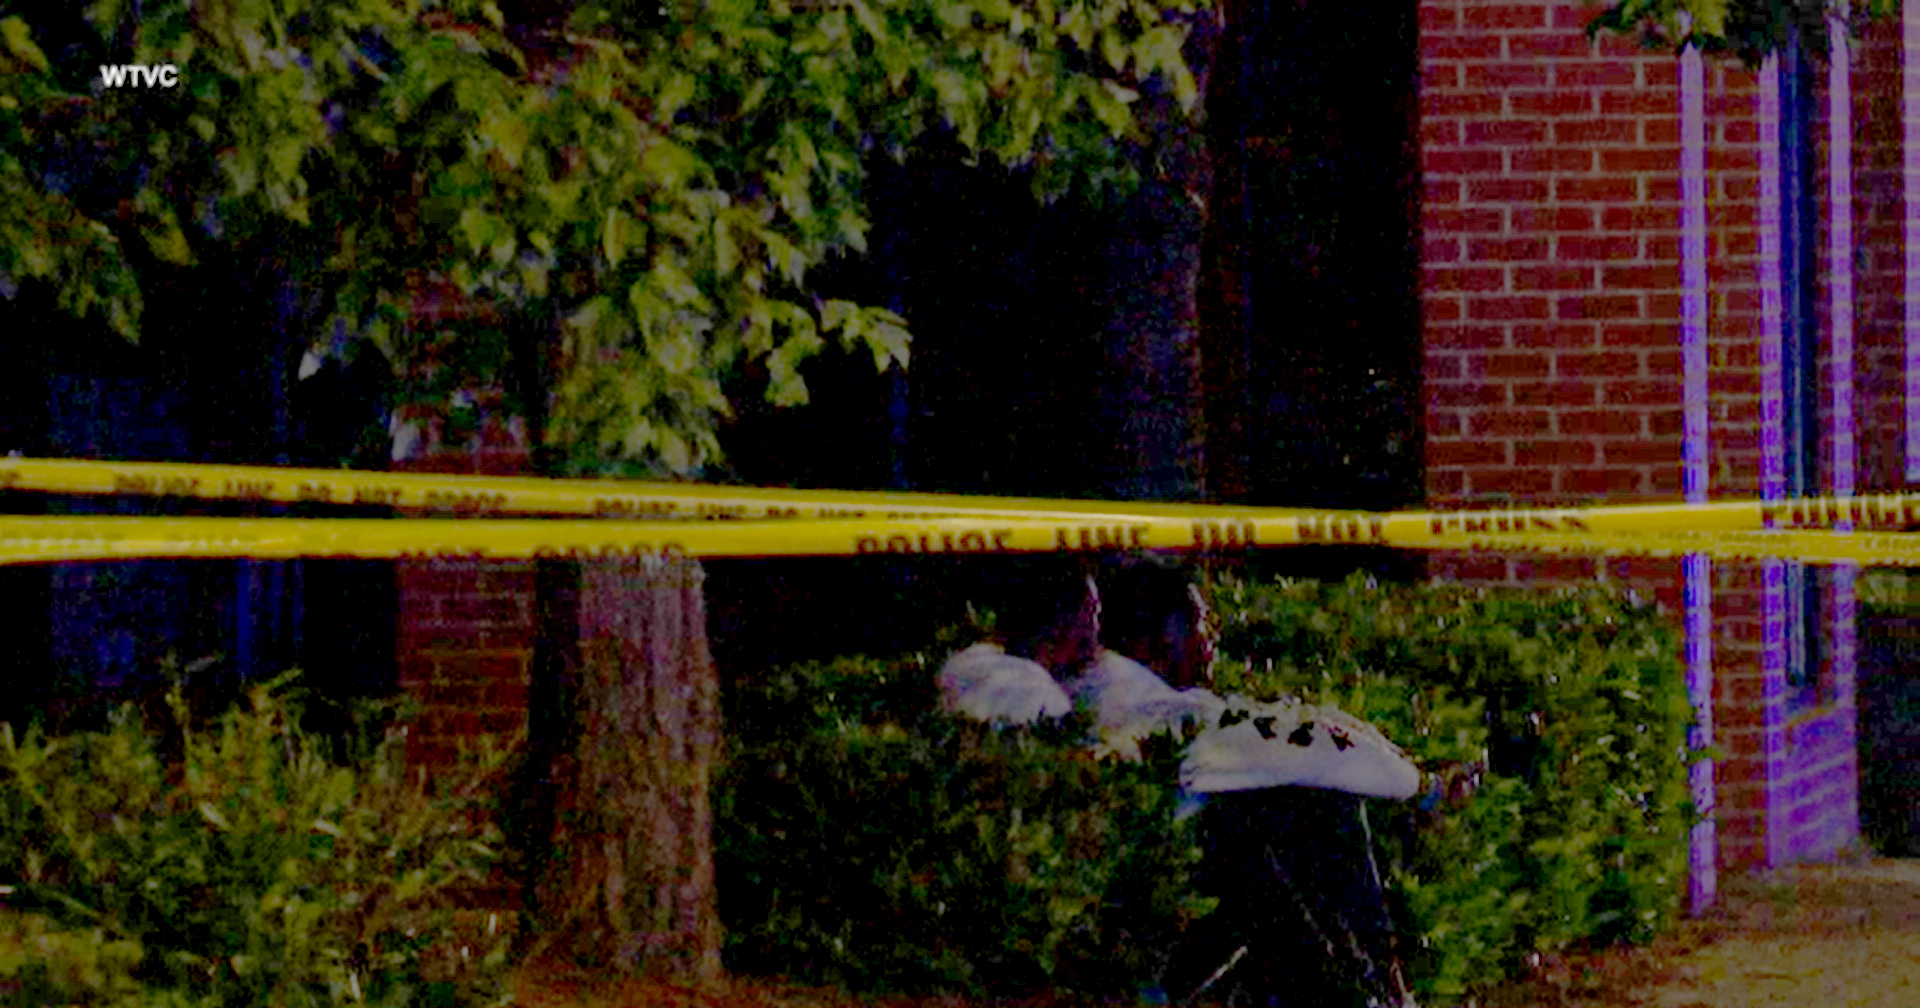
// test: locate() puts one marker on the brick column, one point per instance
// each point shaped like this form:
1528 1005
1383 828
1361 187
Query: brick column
466 627
465 650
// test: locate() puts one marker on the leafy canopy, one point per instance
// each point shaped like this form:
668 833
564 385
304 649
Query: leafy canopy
660 178
1749 29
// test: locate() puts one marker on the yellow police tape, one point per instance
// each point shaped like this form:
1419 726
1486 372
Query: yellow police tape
505 495
47 540
855 522
633 499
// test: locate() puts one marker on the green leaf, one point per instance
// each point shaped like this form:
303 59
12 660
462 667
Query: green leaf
19 41
886 333
1114 48
1158 51
864 14
726 254
1109 102
785 386
1185 90
508 130
1077 24
784 256
284 154
629 129
676 285
560 197
679 89
487 232
1709 17
954 13
758 338
669 164
503 245
833 314
160 227
756 94
995 12
999 56
613 239
214 816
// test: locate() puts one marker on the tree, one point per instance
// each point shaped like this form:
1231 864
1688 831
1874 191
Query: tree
1749 29
661 180
634 191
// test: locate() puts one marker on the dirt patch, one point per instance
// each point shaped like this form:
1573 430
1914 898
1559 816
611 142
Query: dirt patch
1829 936
1816 936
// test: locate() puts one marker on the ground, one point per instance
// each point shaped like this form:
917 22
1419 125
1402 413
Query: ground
1839 936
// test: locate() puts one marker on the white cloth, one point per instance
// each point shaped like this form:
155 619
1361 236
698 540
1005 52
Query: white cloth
1243 744
986 683
1308 745
1130 702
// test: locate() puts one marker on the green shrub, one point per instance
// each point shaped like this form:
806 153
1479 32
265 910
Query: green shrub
236 864
1893 591
866 839
1578 695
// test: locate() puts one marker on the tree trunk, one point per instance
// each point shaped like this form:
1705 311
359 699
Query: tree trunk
1149 396
630 881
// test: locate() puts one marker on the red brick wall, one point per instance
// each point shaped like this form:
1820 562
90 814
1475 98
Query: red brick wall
1880 267
1552 289
466 628
466 643
1551 232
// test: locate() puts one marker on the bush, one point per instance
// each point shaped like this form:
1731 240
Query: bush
236 863
1577 698
866 839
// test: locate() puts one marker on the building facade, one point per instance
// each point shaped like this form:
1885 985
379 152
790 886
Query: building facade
1649 277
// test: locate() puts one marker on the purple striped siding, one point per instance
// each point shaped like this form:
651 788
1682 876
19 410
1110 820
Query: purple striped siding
1840 257
1910 154
1693 276
1773 454
1836 812
1774 746
1773 476
1846 623
1697 591
1819 780
1840 299
1820 738
1812 770
1823 808
1810 827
